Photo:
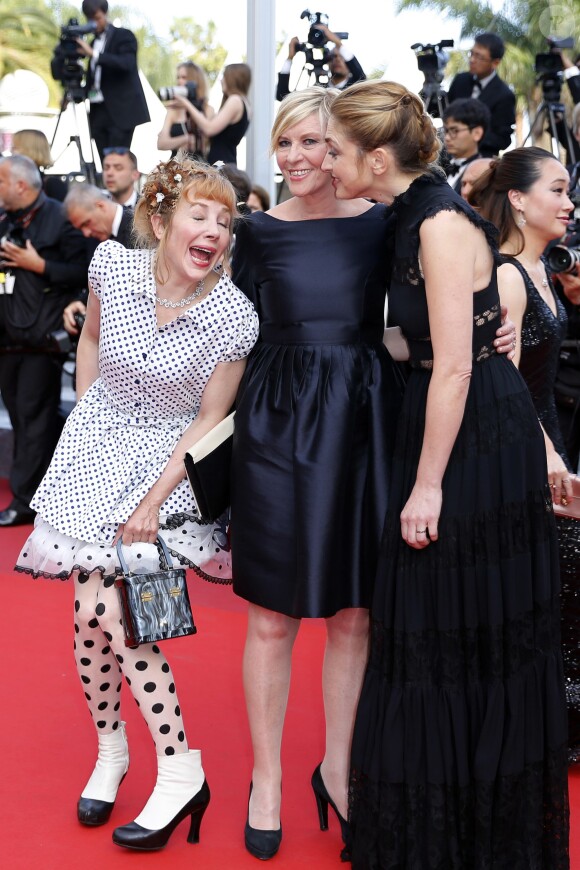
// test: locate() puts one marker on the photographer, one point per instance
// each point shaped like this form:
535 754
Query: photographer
44 263
112 86
344 68
228 126
97 217
464 125
178 130
483 83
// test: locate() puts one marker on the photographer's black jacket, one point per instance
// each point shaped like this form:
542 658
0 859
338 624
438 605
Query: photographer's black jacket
120 83
500 100
357 74
35 307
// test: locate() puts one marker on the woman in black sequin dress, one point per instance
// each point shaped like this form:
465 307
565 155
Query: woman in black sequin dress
459 758
525 194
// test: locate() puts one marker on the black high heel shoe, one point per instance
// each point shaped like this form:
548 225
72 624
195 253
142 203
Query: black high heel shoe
261 844
134 836
323 801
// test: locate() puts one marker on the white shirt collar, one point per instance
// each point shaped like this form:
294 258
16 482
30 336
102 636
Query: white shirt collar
117 221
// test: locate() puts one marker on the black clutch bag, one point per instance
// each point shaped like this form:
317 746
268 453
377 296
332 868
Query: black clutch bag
208 466
154 606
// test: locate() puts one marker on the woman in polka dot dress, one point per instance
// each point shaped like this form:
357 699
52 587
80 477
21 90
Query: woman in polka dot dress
159 361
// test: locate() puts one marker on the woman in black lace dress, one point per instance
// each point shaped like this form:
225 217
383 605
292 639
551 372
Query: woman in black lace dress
525 195
459 749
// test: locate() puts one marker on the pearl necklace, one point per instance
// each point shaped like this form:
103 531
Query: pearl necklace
169 303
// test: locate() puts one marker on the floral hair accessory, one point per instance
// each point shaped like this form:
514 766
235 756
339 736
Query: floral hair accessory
163 187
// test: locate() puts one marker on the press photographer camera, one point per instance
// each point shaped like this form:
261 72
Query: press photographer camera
335 67
15 235
549 68
65 342
188 90
432 60
317 36
66 65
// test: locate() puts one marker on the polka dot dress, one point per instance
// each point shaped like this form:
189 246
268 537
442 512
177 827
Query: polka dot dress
120 435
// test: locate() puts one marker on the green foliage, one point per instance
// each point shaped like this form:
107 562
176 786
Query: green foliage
28 35
191 41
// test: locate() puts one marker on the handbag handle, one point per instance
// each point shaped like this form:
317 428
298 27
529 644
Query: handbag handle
160 541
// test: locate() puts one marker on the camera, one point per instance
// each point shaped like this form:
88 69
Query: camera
66 65
316 37
432 60
188 90
16 235
563 259
62 342
549 68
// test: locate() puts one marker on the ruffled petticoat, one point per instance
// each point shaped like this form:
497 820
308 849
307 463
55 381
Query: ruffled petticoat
204 547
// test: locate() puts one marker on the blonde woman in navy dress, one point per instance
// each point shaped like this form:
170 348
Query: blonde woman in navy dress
159 361
315 426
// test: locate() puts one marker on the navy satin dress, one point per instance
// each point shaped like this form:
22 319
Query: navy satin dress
316 413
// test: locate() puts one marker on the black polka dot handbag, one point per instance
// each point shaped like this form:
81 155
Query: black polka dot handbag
154 606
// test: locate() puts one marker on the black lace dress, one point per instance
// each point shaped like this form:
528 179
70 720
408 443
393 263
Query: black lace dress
459 757
542 335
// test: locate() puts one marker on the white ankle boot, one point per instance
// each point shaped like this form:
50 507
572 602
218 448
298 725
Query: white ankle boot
98 796
180 791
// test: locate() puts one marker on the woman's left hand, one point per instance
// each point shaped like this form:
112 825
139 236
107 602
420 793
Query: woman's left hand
142 525
505 341
420 516
558 478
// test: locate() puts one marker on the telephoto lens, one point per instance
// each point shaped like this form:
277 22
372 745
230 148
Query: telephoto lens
563 259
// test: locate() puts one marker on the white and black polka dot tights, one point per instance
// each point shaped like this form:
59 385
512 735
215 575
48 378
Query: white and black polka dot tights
101 657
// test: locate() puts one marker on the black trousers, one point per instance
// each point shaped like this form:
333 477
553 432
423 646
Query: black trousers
105 132
30 386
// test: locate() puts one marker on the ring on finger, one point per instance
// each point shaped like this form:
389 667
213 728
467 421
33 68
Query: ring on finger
421 531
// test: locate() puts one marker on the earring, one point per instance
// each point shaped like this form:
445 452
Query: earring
521 219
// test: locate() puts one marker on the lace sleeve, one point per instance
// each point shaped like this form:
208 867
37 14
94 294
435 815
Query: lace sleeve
491 233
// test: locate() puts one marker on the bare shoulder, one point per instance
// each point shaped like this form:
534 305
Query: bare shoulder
510 278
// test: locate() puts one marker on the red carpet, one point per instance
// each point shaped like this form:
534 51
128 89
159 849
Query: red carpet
48 743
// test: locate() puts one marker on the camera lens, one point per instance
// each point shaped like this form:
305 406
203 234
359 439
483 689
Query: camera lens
563 259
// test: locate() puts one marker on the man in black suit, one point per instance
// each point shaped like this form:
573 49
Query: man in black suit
44 265
113 87
464 125
483 83
90 210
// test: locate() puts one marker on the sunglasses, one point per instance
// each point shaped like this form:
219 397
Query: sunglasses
116 150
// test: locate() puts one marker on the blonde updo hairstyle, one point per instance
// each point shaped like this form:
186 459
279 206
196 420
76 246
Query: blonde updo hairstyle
164 188
299 105
375 114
